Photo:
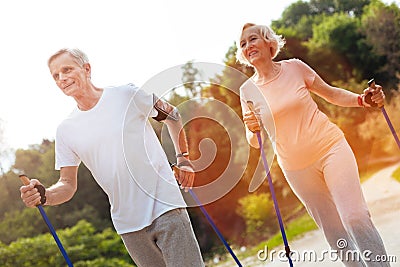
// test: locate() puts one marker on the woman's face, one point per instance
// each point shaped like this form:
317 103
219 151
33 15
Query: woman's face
254 47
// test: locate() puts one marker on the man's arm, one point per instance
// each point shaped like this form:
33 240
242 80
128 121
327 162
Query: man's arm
60 192
185 176
178 136
171 117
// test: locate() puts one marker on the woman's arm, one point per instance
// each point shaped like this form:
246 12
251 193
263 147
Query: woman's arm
334 95
345 98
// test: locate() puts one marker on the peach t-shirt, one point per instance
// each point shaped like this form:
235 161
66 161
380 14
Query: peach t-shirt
299 131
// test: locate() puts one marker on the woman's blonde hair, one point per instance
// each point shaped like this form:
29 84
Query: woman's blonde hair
268 34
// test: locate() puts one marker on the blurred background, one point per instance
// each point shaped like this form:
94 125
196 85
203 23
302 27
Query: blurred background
346 42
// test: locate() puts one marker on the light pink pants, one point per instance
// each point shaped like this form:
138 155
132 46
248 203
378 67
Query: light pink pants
331 192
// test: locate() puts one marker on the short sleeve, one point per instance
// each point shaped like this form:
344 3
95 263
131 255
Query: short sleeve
65 156
307 72
144 102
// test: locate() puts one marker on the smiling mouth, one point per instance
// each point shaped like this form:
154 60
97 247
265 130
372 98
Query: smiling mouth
68 85
252 53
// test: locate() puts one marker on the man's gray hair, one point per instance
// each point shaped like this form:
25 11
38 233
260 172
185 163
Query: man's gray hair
80 57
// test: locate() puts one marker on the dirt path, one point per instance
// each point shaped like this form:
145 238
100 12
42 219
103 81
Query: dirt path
383 196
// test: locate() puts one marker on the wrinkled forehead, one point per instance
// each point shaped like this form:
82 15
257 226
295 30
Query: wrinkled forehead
64 59
250 31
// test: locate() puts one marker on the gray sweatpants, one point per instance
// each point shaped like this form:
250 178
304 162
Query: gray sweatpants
331 192
169 241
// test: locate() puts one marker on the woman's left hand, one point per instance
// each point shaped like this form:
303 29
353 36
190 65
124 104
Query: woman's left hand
378 96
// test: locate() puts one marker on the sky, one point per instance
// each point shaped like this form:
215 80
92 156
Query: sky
126 42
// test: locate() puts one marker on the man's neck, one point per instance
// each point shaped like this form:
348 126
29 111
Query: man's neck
89 98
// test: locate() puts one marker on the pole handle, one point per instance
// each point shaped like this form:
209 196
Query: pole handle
367 98
24 179
174 167
250 104
41 189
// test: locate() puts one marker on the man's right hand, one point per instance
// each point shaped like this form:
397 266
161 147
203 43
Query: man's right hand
30 195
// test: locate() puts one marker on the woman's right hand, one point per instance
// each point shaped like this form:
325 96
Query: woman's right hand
251 121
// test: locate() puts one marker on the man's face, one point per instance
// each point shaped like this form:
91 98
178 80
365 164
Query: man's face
69 75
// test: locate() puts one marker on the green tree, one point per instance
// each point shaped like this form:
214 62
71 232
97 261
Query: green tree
89 202
293 14
354 7
28 161
84 245
256 210
337 37
381 26
343 39
3 148
19 224
191 80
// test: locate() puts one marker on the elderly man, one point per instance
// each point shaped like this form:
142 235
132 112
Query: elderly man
147 208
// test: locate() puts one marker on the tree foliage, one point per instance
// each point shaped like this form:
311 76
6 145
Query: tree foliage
381 27
257 211
191 80
344 39
85 247
89 203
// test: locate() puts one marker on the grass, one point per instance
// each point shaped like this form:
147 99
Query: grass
396 174
364 176
293 229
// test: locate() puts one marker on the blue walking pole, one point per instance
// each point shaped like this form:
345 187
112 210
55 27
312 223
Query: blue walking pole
175 168
371 84
272 190
25 181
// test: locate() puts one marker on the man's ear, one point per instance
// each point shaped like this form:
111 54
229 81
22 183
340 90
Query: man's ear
88 69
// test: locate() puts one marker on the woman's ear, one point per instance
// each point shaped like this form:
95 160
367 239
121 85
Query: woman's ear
273 47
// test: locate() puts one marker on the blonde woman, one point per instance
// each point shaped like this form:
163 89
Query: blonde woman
312 152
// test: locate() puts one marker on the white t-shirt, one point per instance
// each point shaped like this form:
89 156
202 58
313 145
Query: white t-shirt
118 145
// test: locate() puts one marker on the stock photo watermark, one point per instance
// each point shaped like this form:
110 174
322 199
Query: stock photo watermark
341 254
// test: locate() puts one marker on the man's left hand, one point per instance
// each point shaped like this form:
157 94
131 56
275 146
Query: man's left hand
185 177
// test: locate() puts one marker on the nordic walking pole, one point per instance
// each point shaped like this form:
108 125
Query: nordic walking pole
175 168
25 181
272 190
371 84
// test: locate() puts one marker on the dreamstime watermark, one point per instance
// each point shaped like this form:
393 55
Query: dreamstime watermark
341 254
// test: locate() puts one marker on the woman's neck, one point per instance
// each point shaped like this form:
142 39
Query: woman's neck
266 71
